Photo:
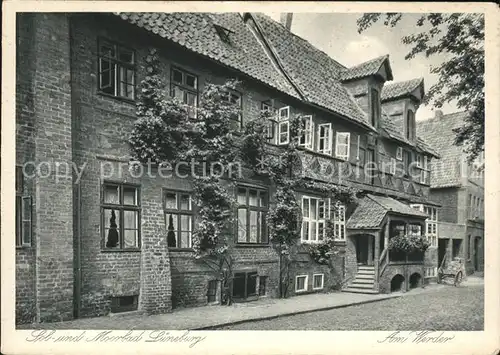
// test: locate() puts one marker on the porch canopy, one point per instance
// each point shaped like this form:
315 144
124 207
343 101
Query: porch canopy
372 209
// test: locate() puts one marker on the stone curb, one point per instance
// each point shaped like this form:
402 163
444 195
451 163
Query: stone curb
215 326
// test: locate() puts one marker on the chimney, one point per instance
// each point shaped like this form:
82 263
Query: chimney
286 20
438 114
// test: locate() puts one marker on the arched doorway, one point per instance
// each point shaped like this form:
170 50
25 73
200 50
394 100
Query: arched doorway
415 280
397 283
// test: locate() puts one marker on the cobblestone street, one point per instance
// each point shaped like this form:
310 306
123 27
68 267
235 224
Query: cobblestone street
446 308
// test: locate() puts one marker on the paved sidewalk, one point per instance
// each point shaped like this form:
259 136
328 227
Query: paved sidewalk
208 317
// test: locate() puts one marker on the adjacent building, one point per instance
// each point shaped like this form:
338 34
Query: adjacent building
91 237
458 186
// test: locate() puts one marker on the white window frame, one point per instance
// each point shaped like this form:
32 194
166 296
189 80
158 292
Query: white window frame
305 283
266 107
347 145
393 166
357 149
307 134
322 281
327 148
399 153
431 222
284 125
318 221
339 224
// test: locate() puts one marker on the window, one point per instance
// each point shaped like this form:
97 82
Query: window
318 281
284 125
393 166
223 33
375 106
425 172
271 127
306 138
339 222
342 144
234 98
116 70
358 147
252 210
419 160
23 212
262 285
315 212
120 216
431 225
301 283
408 159
124 304
430 271
184 88
212 291
325 138
469 209
399 153
244 284
414 230
410 123
178 209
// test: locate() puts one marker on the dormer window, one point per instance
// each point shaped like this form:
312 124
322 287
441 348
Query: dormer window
223 33
375 107
410 125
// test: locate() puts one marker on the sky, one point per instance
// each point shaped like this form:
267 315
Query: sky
336 34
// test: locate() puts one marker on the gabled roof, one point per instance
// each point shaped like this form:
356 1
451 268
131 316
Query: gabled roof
438 132
313 71
368 68
402 88
196 32
372 209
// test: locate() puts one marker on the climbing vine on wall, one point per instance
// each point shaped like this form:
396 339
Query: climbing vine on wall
168 131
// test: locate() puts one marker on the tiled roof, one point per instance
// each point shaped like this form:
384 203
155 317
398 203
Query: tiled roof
372 209
313 71
395 206
422 145
438 132
398 89
365 69
368 214
196 32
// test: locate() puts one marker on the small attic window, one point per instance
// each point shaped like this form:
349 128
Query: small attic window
223 33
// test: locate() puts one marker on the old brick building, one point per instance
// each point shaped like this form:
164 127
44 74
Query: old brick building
93 238
459 187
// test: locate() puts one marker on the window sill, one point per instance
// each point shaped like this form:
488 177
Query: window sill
118 98
318 288
301 291
23 247
132 250
252 245
181 250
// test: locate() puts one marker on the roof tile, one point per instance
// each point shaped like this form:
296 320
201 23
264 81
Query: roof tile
398 89
364 69
438 133
196 32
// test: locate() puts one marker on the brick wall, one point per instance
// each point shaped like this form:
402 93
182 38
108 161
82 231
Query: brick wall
448 199
25 152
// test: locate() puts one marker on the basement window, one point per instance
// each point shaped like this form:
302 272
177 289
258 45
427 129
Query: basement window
244 285
212 291
301 283
124 304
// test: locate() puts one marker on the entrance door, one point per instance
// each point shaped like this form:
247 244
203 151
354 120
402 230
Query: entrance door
476 253
442 246
362 249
